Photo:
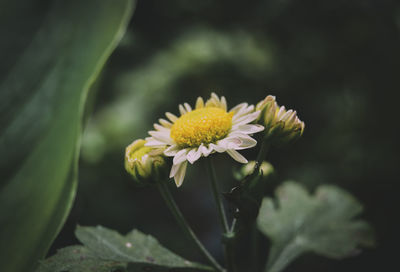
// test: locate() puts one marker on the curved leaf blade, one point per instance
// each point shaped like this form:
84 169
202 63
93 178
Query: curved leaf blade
78 259
42 96
136 248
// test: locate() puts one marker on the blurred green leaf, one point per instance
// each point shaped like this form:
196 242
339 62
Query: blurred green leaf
78 259
135 248
323 223
51 53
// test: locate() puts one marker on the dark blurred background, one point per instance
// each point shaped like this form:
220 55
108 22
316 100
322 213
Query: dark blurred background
336 62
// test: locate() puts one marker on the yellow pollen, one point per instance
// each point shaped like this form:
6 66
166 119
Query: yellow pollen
201 126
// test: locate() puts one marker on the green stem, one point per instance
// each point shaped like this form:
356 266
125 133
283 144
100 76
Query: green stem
265 144
230 255
229 236
255 247
233 226
169 200
217 196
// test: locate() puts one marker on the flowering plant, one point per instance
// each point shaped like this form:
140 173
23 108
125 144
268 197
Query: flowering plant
295 221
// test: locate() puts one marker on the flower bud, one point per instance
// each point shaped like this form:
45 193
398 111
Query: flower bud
281 125
266 168
247 169
145 164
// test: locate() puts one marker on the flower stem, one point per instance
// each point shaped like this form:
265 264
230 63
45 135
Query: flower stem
217 196
255 247
228 234
233 226
265 144
230 255
169 200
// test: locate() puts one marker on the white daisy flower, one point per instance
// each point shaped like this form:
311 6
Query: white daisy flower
207 129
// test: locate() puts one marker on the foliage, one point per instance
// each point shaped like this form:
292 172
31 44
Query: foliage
51 59
323 223
106 250
78 259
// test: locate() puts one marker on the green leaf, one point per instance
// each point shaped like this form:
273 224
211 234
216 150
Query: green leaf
51 53
79 259
323 223
135 248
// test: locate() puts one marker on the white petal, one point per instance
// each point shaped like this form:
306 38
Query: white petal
237 108
187 107
217 102
180 156
171 151
174 169
248 129
213 101
236 156
199 103
215 96
171 117
292 118
150 141
210 150
221 145
162 136
246 119
287 115
193 155
160 128
242 112
247 143
281 112
204 150
165 123
238 141
233 143
223 103
180 174
218 147
182 110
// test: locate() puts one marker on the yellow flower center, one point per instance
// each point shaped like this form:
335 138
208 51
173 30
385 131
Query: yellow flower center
201 126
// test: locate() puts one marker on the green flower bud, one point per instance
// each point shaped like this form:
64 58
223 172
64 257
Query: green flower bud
247 169
281 125
266 168
145 164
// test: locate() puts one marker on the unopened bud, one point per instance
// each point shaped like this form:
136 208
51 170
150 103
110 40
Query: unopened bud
145 164
246 170
281 125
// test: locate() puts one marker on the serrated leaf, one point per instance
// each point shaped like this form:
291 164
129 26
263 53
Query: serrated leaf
323 223
135 248
51 52
79 259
